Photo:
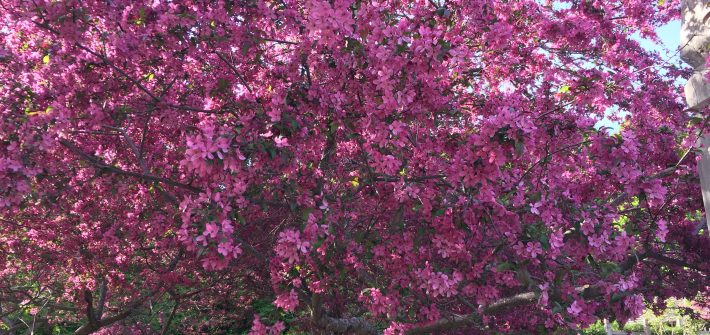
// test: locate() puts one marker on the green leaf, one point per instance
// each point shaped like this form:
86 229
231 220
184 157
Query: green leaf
609 268
558 308
696 120
245 48
306 212
353 45
265 308
535 197
635 201
504 266
618 296
318 243
45 59
545 241
272 152
519 148
401 48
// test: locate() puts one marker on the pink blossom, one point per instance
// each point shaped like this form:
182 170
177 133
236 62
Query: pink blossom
211 230
576 308
634 304
401 162
281 141
378 303
662 230
259 328
288 301
290 245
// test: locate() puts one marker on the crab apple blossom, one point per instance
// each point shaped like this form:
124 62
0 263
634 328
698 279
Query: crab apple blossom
342 166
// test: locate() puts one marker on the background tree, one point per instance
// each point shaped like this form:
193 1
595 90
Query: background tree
342 166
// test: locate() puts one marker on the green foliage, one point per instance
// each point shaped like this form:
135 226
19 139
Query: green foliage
671 321
596 328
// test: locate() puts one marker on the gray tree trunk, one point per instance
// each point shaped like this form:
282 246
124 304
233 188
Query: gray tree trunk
694 42
607 327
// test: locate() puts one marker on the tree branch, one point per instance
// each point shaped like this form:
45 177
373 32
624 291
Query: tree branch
102 299
356 326
91 327
474 319
166 326
236 72
673 261
110 168
90 313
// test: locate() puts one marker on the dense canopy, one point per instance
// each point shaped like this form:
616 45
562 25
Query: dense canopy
342 166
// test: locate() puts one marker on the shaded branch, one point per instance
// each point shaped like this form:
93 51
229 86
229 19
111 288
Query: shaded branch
113 169
90 313
673 261
474 319
166 326
355 325
91 327
409 179
103 291
236 72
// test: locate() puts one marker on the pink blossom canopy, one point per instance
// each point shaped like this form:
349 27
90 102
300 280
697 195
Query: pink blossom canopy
342 166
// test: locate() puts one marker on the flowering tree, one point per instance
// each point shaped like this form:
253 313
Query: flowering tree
343 166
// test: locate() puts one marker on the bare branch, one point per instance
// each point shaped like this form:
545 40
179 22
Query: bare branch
102 299
166 326
236 72
474 319
110 168
90 313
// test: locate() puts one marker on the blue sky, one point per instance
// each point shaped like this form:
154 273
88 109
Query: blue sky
670 39
669 35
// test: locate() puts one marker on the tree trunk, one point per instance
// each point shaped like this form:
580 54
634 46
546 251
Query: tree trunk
646 329
607 327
